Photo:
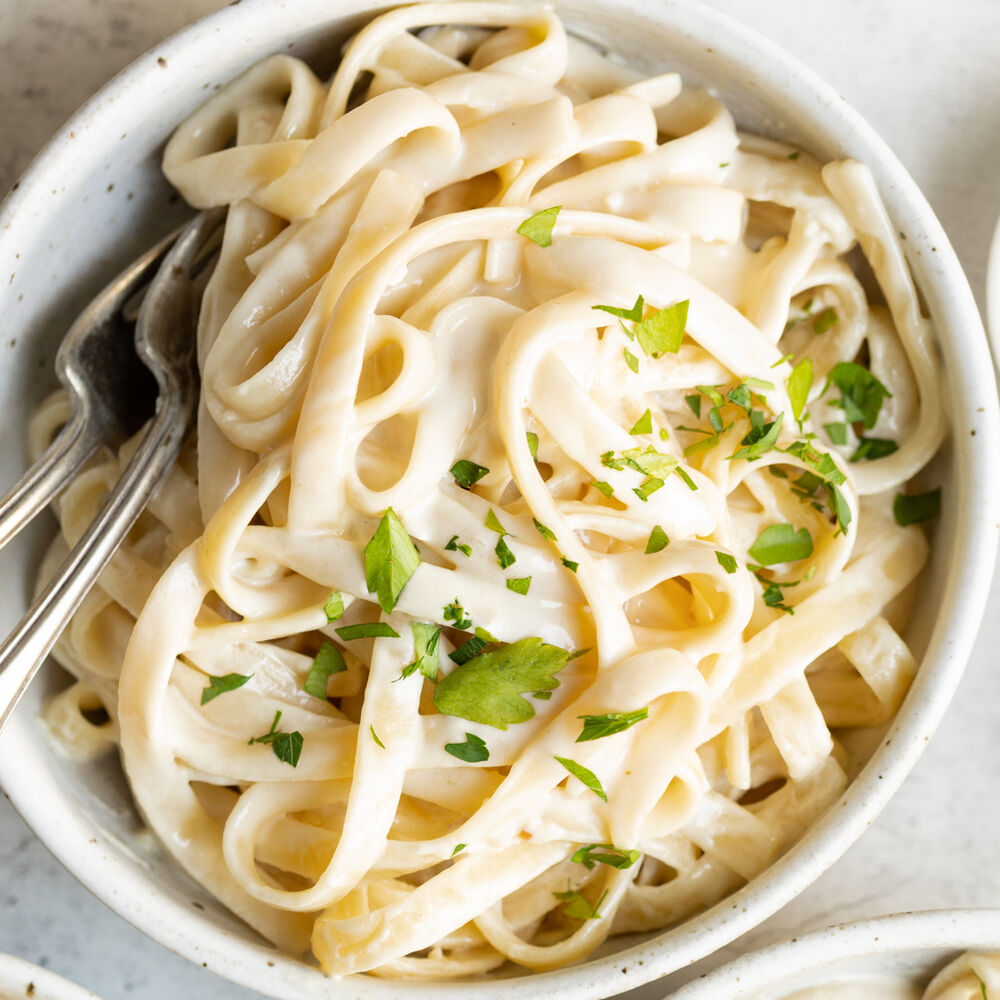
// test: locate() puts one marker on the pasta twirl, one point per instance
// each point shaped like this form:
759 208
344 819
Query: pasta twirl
539 536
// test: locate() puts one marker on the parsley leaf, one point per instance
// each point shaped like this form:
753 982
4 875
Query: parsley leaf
663 331
579 908
456 613
334 606
504 556
585 775
391 559
798 385
916 508
605 854
472 751
870 449
781 543
532 445
543 531
489 686
825 320
222 684
328 661
760 439
861 392
519 584
606 488
454 545
634 314
367 630
596 727
538 227
837 432
371 729
631 360
694 404
644 425
286 746
493 523
657 540
726 561
458 847
470 648
425 650
467 473
570 565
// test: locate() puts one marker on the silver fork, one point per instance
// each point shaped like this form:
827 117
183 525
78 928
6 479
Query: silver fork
115 383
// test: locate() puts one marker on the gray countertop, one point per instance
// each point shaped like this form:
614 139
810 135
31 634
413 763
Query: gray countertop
927 75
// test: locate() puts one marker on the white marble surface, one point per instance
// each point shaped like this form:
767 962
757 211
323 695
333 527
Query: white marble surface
927 75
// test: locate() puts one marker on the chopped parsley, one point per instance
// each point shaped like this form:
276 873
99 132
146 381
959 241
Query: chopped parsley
605 854
543 531
456 613
425 650
286 746
634 314
825 320
472 751
861 393
570 565
916 508
604 487
488 687
328 661
585 775
726 561
657 540
519 584
761 437
538 227
631 360
663 331
470 648
596 727
222 684
467 473
644 425
578 907
367 630
371 729
391 559
532 439
454 545
458 847
798 385
780 543
836 432
870 449
334 606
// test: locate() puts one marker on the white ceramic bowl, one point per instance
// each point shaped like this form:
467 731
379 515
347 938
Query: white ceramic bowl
911 947
993 295
22 979
95 197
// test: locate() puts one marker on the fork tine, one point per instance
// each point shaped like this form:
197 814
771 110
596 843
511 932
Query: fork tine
90 422
161 334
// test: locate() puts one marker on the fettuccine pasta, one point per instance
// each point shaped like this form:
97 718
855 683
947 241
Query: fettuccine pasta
546 525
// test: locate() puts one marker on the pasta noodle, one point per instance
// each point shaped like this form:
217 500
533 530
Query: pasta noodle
972 976
564 395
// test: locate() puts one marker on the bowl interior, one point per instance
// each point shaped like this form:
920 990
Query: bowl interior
96 197
908 947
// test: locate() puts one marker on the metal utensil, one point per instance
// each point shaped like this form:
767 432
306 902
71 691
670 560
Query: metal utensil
115 383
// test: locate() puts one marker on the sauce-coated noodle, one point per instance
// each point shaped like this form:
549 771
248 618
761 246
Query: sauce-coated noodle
376 317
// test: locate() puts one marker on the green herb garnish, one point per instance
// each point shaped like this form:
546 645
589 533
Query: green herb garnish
286 746
657 540
367 630
726 561
454 545
538 227
605 854
532 438
798 385
663 331
222 684
578 908
456 613
488 687
391 559
467 473
836 432
631 360
543 531
328 661
861 393
644 425
781 543
634 314
519 584
604 487
585 775
916 508
870 449
425 650
334 606
472 751
570 565
825 320
596 727
371 729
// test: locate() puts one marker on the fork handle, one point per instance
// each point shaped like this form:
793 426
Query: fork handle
23 651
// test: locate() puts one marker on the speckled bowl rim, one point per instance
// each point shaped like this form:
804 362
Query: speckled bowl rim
778 965
74 837
993 295
17 976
